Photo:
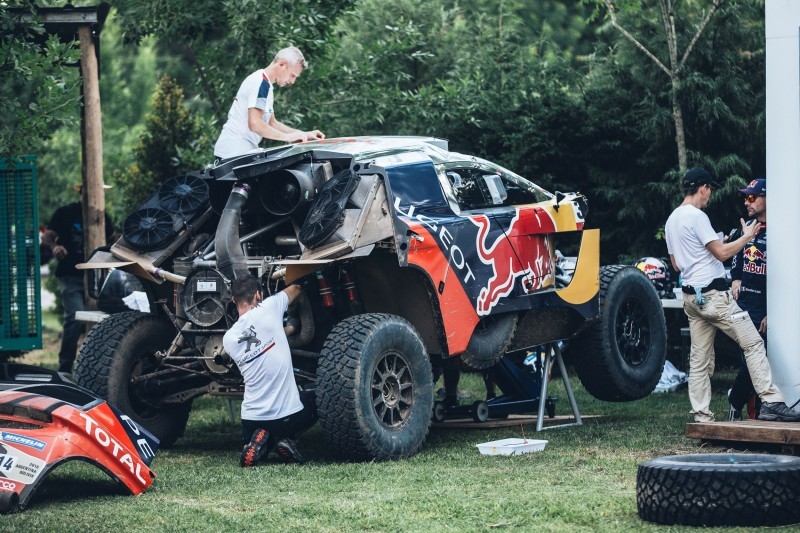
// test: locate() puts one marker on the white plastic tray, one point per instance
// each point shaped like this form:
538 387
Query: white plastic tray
511 446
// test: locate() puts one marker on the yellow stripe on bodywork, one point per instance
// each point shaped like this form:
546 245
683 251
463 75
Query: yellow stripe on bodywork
586 281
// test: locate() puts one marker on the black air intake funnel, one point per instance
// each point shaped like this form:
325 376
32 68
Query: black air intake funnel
286 191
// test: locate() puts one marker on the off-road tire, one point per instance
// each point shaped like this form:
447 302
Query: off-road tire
365 360
490 340
110 357
620 357
720 490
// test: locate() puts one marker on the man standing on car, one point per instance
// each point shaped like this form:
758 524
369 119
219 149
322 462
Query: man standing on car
64 238
252 118
749 287
696 250
272 412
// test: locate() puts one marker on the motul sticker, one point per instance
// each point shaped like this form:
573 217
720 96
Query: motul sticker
17 465
20 439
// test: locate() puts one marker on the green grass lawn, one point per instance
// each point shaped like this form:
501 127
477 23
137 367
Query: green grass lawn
585 479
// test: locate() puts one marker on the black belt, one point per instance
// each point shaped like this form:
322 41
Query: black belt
718 284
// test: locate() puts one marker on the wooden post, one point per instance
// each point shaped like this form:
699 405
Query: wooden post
94 203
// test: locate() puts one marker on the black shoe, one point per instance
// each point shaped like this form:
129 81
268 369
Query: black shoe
734 414
779 412
287 449
255 449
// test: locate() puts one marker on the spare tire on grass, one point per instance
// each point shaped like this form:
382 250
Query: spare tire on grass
721 489
490 340
620 357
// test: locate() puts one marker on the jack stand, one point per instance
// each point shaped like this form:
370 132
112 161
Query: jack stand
553 351
523 387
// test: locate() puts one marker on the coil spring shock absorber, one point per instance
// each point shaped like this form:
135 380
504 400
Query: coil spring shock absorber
349 288
325 291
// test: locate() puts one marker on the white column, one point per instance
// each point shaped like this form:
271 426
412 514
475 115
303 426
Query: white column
783 193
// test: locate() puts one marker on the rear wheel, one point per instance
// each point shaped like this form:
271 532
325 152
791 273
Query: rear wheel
375 388
621 356
115 353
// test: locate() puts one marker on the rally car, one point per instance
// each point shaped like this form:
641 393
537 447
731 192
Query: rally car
409 254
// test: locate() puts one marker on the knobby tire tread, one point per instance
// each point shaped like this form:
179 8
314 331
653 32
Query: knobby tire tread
591 353
699 495
94 366
338 371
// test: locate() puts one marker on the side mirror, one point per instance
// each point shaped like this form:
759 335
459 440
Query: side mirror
559 197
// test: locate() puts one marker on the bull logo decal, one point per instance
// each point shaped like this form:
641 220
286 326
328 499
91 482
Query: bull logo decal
517 252
249 336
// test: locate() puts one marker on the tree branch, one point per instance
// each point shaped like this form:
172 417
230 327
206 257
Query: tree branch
716 5
204 82
613 15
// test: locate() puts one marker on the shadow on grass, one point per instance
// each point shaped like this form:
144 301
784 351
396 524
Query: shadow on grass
75 481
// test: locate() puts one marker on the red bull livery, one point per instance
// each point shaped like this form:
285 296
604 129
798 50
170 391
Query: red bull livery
410 254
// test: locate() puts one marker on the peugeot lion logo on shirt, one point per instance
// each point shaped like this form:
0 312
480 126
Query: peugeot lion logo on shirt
249 336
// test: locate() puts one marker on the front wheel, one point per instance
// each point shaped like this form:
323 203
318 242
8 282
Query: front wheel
375 388
115 353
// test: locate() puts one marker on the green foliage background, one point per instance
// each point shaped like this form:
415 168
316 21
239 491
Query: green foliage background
546 88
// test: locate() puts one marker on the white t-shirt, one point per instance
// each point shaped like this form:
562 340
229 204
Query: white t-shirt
688 230
236 137
258 346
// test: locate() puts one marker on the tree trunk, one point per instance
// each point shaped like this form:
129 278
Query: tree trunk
94 205
677 117
668 18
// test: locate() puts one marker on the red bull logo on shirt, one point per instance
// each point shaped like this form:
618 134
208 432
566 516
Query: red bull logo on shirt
755 261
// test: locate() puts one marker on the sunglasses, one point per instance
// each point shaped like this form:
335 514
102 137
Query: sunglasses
751 198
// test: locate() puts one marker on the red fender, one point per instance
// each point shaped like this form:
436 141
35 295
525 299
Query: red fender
46 421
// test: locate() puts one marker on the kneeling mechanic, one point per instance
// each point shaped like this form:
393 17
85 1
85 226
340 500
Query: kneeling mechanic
272 411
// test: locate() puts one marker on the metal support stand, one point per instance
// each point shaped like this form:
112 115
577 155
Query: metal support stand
231 409
553 351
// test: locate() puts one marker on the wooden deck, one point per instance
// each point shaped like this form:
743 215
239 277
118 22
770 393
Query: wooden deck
749 433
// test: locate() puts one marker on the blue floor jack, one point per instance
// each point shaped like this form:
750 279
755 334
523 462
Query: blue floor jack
520 379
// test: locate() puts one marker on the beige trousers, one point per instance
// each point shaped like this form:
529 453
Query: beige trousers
721 312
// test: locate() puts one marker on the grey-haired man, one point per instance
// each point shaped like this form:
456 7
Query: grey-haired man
252 117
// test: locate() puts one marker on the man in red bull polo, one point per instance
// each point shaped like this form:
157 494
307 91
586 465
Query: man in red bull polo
749 286
696 250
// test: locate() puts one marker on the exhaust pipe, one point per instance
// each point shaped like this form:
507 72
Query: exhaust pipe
231 260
